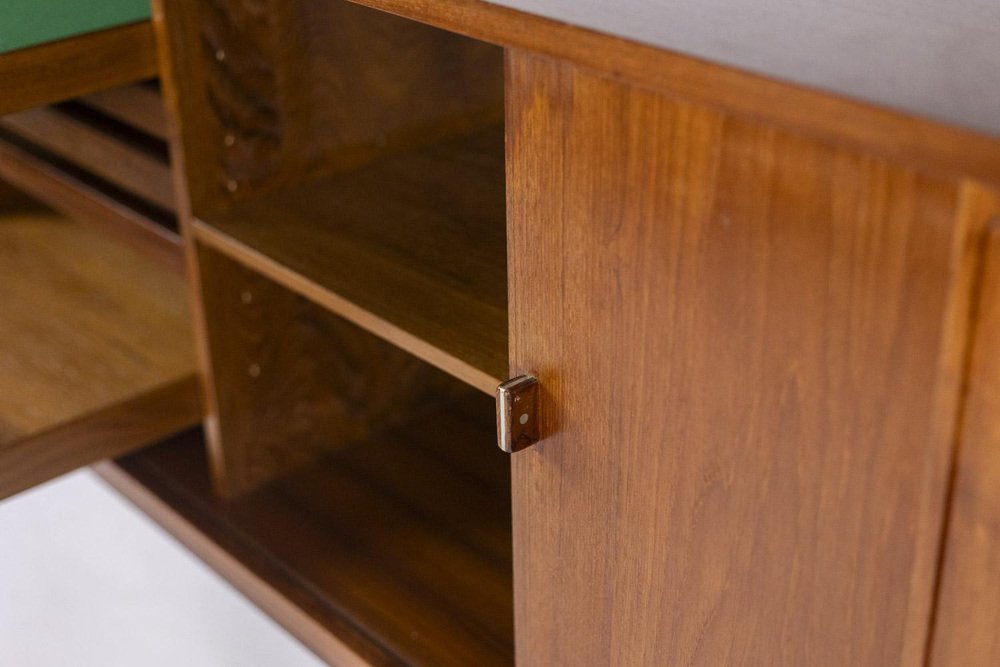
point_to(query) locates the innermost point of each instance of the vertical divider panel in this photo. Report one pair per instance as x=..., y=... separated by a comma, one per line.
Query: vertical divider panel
x=267, y=95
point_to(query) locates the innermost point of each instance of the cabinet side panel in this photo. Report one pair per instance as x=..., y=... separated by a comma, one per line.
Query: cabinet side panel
x=968, y=613
x=749, y=344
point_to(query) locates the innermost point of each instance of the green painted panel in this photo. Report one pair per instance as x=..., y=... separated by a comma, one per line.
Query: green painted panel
x=32, y=22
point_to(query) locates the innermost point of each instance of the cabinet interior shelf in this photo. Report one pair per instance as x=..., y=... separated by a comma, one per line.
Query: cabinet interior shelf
x=398, y=546
x=96, y=355
x=411, y=247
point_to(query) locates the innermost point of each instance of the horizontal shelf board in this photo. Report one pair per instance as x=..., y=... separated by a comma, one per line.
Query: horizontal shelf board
x=87, y=324
x=412, y=247
x=398, y=547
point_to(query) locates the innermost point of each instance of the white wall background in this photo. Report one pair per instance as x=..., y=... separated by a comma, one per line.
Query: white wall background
x=86, y=580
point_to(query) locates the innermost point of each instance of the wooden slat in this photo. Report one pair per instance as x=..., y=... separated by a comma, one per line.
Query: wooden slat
x=139, y=105
x=968, y=612
x=395, y=549
x=751, y=347
x=131, y=167
x=108, y=432
x=76, y=66
x=97, y=354
x=411, y=248
x=929, y=145
x=80, y=201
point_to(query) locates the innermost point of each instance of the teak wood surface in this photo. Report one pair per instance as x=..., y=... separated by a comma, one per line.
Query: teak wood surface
x=131, y=163
x=139, y=105
x=96, y=357
x=292, y=380
x=749, y=304
x=82, y=202
x=392, y=550
x=968, y=613
x=57, y=71
x=411, y=247
x=750, y=345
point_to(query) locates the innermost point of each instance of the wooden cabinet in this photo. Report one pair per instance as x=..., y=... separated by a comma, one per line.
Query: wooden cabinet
x=763, y=318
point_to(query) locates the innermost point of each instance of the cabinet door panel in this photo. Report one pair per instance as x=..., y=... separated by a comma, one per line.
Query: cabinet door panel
x=750, y=348
x=968, y=616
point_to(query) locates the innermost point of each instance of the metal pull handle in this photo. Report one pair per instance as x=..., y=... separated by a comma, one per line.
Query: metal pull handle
x=517, y=413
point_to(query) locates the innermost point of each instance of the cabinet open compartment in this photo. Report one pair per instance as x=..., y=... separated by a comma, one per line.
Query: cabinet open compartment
x=356, y=158
x=364, y=486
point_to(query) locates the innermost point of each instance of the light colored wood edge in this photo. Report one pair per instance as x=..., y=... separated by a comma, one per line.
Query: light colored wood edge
x=178, y=167
x=112, y=431
x=930, y=145
x=350, y=311
x=291, y=617
x=976, y=387
x=75, y=66
x=976, y=204
x=79, y=201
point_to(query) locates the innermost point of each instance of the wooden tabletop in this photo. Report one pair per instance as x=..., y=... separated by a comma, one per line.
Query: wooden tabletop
x=931, y=58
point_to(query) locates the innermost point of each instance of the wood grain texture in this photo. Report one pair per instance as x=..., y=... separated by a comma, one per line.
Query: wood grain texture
x=135, y=166
x=750, y=346
x=411, y=247
x=293, y=381
x=95, y=347
x=968, y=611
x=396, y=548
x=107, y=432
x=269, y=92
x=155, y=499
x=83, y=202
x=76, y=66
x=927, y=145
x=139, y=105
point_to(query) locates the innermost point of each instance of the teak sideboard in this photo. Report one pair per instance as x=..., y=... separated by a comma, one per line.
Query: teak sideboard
x=764, y=321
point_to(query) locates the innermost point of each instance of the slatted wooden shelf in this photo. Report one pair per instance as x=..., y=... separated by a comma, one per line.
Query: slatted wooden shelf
x=139, y=105
x=96, y=358
x=77, y=194
x=115, y=152
x=392, y=550
x=411, y=247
